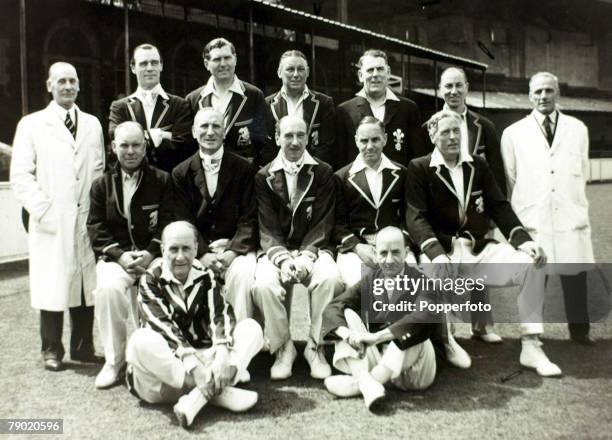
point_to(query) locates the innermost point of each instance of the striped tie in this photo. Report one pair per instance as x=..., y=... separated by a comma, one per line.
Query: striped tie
x=70, y=125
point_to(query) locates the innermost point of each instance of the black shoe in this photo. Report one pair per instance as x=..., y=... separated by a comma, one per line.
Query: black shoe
x=583, y=340
x=52, y=363
x=87, y=357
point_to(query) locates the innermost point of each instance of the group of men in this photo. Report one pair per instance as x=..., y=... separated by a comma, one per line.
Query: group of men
x=201, y=247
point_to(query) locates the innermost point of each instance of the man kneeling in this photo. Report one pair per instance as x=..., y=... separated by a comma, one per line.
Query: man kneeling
x=408, y=359
x=190, y=348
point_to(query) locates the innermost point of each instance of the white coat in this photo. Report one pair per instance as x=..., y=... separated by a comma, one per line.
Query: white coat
x=51, y=175
x=547, y=186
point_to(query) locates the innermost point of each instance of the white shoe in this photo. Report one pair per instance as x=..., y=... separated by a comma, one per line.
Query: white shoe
x=532, y=356
x=319, y=368
x=235, y=399
x=108, y=376
x=487, y=335
x=244, y=376
x=342, y=385
x=283, y=365
x=456, y=355
x=370, y=388
x=188, y=406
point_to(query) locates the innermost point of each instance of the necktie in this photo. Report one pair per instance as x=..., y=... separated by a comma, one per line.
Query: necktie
x=548, y=130
x=212, y=166
x=70, y=125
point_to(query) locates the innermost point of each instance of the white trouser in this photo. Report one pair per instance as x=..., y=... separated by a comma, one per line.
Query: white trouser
x=411, y=369
x=323, y=283
x=115, y=300
x=350, y=266
x=158, y=375
x=239, y=279
x=515, y=268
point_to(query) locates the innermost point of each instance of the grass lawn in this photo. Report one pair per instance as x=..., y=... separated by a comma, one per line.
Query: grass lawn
x=460, y=404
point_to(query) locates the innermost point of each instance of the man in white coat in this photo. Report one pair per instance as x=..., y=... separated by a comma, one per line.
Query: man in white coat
x=57, y=153
x=546, y=157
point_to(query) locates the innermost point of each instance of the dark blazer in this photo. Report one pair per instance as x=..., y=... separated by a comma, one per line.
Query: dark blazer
x=308, y=226
x=434, y=215
x=231, y=213
x=171, y=114
x=403, y=127
x=408, y=328
x=356, y=212
x=110, y=231
x=246, y=133
x=320, y=117
x=484, y=142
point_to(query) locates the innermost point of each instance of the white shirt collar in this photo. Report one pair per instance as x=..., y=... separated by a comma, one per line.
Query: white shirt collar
x=61, y=111
x=437, y=159
x=304, y=95
x=157, y=90
x=277, y=163
x=207, y=158
x=209, y=88
x=125, y=177
x=389, y=95
x=540, y=117
x=359, y=164
x=463, y=114
x=196, y=271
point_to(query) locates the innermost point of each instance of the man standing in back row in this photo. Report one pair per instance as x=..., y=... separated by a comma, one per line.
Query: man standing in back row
x=400, y=115
x=165, y=117
x=242, y=105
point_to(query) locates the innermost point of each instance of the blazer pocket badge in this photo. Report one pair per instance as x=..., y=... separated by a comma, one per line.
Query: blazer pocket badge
x=153, y=215
x=398, y=138
x=244, y=137
x=314, y=138
x=479, y=205
x=309, y=212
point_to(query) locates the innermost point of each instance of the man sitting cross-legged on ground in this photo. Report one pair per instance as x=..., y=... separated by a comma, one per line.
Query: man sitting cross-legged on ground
x=295, y=196
x=451, y=198
x=408, y=360
x=190, y=348
x=130, y=205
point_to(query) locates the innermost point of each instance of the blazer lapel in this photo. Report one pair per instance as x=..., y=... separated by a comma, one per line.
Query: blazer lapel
x=390, y=178
x=304, y=182
x=468, y=180
x=360, y=182
x=278, y=107
x=444, y=176
x=205, y=101
x=137, y=112
x=311, y=108
x=363, y=107
x=161, y=108
x=118, y=191
x=224, y=178
x=391, y=108
x=278, y=184
x=58, y=128
x=474, y=132
x=558, y=134
x=234, y=109
x=200, y=181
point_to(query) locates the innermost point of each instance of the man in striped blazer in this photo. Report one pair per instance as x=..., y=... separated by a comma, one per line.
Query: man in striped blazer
x=189, y=348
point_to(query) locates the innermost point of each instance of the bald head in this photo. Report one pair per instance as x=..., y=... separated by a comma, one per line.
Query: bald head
x=391, y=251
x=454, y=88
x=129, y=127
x=63, y=84
x=179, y=248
